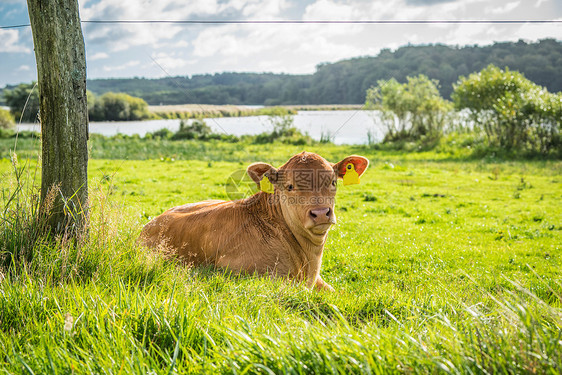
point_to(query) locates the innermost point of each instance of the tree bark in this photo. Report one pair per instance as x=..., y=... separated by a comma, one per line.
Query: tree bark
x=61, y=72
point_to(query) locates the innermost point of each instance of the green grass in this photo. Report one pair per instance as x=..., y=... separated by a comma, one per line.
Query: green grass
x=440, y=264
x=199, y=111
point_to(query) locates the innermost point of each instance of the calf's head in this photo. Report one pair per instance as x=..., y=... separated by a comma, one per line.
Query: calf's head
x=305, y=188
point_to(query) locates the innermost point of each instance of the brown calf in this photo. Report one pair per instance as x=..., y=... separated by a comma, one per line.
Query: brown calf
x=280, y=234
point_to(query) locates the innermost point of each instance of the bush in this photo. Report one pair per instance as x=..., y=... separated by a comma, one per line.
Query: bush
x=117, y=107
x=275, y=111
x=283, y=131
x=6, y=119
x=515, y=113
x=412, y=111
x=24, y=96
x=196, y=130
x=160, y=134
x=25, y=134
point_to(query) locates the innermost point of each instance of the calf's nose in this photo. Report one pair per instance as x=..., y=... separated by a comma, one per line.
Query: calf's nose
x=320, y=215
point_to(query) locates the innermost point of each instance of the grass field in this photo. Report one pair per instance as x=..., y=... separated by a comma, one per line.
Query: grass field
x=440, y=264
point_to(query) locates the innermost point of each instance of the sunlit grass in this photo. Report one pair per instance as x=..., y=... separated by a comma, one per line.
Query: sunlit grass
x=438, y=266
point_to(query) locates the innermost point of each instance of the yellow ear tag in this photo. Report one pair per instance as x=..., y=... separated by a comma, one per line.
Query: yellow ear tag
x=266, y=186
x=350, y=177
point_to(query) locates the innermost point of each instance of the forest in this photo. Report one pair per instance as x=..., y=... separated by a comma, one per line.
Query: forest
x=346, y=82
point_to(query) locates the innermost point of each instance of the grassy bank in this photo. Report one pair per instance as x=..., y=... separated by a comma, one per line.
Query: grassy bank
x=243, y=149
x=440, y=264
x=199, y=111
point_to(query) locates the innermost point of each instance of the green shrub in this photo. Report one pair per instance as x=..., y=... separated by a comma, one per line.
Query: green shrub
x=6, y=119
x=24, y=96
x=412, y=111
x=161, y=134
x=117, y=107
x=223, y=137
x=275, y=111
x=515, y=113
x=196, y=130
x=283, y=130
x=6, y=133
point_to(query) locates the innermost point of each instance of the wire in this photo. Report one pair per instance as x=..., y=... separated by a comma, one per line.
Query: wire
x=292, y=22
x=14, y=26
x=296, y=22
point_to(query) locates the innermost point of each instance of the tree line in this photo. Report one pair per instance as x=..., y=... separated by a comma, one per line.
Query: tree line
x=346, y=82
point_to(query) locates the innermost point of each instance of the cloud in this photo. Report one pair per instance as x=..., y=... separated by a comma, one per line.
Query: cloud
x=535, y=32
x=10, y=42
x=98, y=56
x=169, y=61
x=299, y=48
x=127, y=50
x=330, y=10
x=506, y=8
x=120, y=37
x=23, y=68
x=258, y=9
x=124, y=36
x=129, y=64
x=540, y=2
x=428, y=2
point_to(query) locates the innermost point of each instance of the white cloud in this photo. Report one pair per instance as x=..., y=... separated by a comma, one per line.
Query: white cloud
x=505, y=8
x=98, y=56
x=114, y=68
x=169, y=61
x=10, y=42
x=298, y=48
x=330, y=10
x=275, y=44
x=535, y=32
x=179, y=44
x=123, y=36
x=220, y=40
x=127, y=50
x=258, y=9
x=540, y=2
x=23, y=68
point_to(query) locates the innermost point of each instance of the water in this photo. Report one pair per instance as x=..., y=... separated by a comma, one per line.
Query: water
x=344, y=127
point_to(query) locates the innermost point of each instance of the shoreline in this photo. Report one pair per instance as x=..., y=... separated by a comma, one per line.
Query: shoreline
x=199, y=111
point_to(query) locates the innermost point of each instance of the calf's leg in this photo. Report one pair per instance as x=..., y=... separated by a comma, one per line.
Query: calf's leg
x=322, y=285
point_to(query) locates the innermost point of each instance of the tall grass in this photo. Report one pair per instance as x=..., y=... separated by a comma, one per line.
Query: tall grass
x=21, y=220
x=108, y=305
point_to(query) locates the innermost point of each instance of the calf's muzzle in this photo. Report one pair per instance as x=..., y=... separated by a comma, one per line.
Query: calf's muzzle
x=321, y=215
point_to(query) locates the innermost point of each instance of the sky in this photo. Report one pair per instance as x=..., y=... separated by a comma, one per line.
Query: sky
x=159, y=50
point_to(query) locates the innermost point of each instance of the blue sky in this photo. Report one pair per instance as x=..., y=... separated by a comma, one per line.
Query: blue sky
x=160, y=50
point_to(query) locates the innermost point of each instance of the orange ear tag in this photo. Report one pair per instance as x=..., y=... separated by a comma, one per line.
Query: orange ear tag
x=266, y=186
x=351, y=177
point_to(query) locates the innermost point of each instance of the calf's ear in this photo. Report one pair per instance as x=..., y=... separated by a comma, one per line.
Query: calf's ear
x=257, y=170
x=360, y=164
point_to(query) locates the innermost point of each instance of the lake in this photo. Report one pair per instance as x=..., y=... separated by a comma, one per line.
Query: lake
x=344, y=127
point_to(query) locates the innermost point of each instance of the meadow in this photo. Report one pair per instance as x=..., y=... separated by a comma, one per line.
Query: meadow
x=441, y=263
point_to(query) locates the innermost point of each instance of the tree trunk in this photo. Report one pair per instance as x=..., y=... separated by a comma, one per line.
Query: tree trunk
x=61, y=72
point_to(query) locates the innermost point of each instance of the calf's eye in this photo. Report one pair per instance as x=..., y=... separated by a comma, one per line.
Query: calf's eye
x=290, y=188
